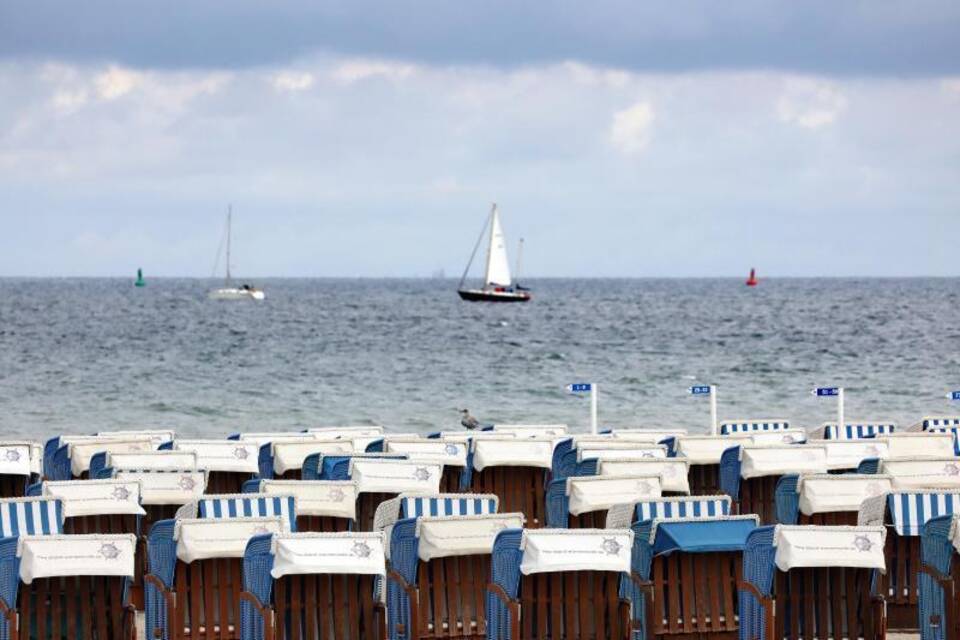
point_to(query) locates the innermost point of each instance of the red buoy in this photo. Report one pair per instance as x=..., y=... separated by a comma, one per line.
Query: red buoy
x=752, y=280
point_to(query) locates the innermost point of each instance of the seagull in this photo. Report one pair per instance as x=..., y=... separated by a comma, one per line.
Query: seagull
x=468, y=420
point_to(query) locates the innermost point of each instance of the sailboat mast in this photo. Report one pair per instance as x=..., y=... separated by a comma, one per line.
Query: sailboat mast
x=473, y=255
x=229, y=216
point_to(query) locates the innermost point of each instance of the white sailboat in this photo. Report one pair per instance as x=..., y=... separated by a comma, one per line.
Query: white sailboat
x=228, y=291
x=497, y=286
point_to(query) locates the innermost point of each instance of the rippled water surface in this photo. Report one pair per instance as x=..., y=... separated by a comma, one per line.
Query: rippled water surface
x=78, y=355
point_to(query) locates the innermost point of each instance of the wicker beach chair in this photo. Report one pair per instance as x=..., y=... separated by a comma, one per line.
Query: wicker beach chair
x=940, y=579
x=751, y=426
x=827, y=499
x=703, y=454
x=557, y=583
x=76, y=453
x=933, y=423
x=776, y=437
x=749, y=474
x=323, y=506
x=516, y=471
x=452, y=453
x=313, y=586
x=195, y=580
x=75, y=587
x=228, y=463
x=845, y=456
x=812, y=582
x=438, y=575
x=530, y=430
x=925, y=444
x=582, y=502
x=904, y=514
x=855, y=431
x=283, y=459
x=582, y=457
x=21, y=464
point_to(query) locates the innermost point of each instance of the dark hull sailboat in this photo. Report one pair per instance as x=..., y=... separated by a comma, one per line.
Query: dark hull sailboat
x=497, y=281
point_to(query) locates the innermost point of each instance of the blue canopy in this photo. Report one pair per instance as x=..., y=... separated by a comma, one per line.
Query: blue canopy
x=702, y=536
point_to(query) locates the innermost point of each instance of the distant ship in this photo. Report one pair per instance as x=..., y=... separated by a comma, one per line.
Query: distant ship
x=497, y=285
x=752, y=280
x=228, y=291
x=140, y=282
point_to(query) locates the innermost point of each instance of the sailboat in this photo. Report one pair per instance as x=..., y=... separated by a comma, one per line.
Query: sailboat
x=497, y=285
x=228, y=291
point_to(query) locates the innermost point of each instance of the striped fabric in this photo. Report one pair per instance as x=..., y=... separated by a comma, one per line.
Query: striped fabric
x=247, y=506
x=416, y=506
x=728, y=428
x=30, y=517
x=855, y=431
x=931, y=423
x=910, y=511
x=683, y=508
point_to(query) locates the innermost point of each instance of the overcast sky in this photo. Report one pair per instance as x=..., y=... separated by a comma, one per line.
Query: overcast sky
x=368, y=138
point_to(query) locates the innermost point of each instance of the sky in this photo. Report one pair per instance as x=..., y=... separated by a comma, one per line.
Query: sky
x=619, y=138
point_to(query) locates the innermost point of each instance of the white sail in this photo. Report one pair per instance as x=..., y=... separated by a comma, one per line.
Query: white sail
x=498, y=268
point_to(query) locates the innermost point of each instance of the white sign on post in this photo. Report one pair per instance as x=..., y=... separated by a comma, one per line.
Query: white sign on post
x=708, y=390
x=591, y=388
x=837, y=392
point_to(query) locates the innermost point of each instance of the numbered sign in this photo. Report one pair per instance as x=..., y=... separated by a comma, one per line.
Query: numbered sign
x=579, y=387
x=700, y=390
x=954, y=395
x=826, y=391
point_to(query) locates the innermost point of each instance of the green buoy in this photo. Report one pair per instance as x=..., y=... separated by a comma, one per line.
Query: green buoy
x=140, y=281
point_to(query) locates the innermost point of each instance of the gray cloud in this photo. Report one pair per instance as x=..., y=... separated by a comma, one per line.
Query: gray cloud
x=819, y=36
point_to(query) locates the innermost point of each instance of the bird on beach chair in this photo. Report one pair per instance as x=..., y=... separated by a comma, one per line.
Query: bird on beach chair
x=468, y=421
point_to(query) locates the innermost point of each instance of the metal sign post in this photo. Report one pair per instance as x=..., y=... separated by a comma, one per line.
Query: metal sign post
x=708, y=390
x=585, y=387
x=837, y=392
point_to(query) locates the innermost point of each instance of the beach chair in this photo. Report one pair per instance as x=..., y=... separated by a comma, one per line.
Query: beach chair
x=582, y=458
x=195, y=579
x=313, y=586
x=933, y=423
x=926, y=444
x=451, y=453
x=380, y=479
x=939, y=579
x=908, y=474
x=30, y=516
x=904, y=514
x=559, y=583
x=647, y=435
x=531, y=430
x=322, y=506
x=582, y=502
x=283, y=459
x=516, y=471
x=163, y=491
x=73, y=458
x=228, y=463
x=844, y=456
x=812, y=582
x=97, y=506
x=751, y=426
x=778, y=437
x=827, y=499
x=67, y=587
x=689, y=569
x=20, y=466
x=749, y=474
x=438, y=576
x=673, y=472
x=703, y=454
x=854, y=431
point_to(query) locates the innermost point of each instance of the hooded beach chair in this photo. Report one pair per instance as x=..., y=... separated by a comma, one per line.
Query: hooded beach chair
x=97, y=506
x=516, y=471
x=313, y=586
x=530, y=430
x=581, y=459
x=323, y=506
x=67, y=587
x=940, y=579
x=228, y=463
x=751, y=426
x=75, y=454
x=922, y=473
x=904, y=514
x=855, y=431
x=163, y=491
x=703, y=454
x=689, y=569
x=21, y=464
x=564, y=584
x=844, y=456
x=195, y=580
x=827, y=499
x=934, y=423
x=673, y=472
x=582, y=502
x=439, y=571
x=452, y=453
x=647, y=435
x=812, y=582
x=380, y=479
x=778, y=437
x=749, y=474
x=926, y=444
x=283, y=459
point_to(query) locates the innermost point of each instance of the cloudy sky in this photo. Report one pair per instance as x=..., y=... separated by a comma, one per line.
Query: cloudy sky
x=368, y=138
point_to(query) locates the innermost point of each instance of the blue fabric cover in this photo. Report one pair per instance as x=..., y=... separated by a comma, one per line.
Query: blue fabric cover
x=702, y=536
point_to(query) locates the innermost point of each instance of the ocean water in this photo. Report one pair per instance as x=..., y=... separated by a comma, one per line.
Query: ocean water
x=79, y=355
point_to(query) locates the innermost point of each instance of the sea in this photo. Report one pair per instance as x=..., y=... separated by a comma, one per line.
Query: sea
x=80, y=355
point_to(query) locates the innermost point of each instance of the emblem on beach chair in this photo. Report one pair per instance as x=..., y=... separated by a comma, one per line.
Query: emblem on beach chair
x=109, y=551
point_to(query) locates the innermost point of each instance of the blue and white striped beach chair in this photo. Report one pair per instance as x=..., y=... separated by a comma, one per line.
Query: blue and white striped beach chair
x=940, y=579
x=244, y=505
x=439, y=571
x=929, y=423
x=812, y=582
x=735, y=427
x=313, y=585
x=856, y=431
x=559, y=583
x=904, y=514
